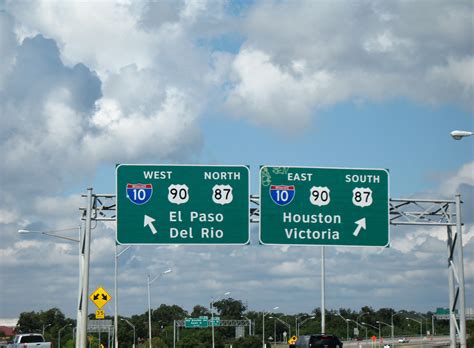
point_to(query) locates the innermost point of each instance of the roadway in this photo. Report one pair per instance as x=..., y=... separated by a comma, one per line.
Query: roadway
x=435, y=341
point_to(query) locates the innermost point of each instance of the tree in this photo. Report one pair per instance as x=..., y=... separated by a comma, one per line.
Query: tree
x=156, y=342
x=165, y=315
x=230, y=308
x=248, y=342
x=199, y=310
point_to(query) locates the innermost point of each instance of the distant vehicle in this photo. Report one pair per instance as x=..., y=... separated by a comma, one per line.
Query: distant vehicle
x=403, y=340
x=30, y=340
x=318, y=341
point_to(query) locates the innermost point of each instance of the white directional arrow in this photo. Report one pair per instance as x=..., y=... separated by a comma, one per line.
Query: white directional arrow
x=360, y=224
x=148, y=221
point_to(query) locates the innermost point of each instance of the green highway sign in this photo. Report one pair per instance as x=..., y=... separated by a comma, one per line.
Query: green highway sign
x=191, y=323
x=324, y=206
x=182, y=204
x=217, y=321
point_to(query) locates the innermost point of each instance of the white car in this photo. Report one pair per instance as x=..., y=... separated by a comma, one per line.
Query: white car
x=403, y=340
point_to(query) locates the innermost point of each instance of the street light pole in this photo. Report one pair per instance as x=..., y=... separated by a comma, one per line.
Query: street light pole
x=358, y=325
x=393, y=326
x=149, y=282
x=46, y=326
x=458, y=135
x=372, y=326
x=381, y=322
x=364, y=313
x=347, y=326
x=59, y=334
x=133, y=327
x=117, y=255
x=263, y=326
x=80, y=240
x=300, y=324
x=212, y=317
x=421, y=328
x=284, y=323
x=274, y=331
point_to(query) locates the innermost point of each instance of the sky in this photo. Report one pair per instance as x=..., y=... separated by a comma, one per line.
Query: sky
x=368, y=84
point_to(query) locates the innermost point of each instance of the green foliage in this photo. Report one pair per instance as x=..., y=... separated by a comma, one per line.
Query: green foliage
x=248, y=342
x=156, y=342
x=199, y=311
x=52, y=320
x=68, y=344
x=229, y=308
x=164, y=315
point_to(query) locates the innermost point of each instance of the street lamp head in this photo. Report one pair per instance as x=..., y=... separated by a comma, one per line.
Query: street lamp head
x=276, y=307
x=167, y=271
x=459, y=134
x=227, y=293
x=24, y=231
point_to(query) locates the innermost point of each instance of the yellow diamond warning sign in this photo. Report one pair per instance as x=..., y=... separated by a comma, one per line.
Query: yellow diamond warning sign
x=100, y=297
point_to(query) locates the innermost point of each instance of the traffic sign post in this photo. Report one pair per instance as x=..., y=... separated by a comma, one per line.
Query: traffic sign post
x=182, y=204
x=324, y=206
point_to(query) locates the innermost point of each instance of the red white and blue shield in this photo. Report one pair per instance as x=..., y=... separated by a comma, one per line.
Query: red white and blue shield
x=282, y=194
x=139, y=193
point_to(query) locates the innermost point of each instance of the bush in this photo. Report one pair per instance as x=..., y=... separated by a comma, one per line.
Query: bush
x=248, y=342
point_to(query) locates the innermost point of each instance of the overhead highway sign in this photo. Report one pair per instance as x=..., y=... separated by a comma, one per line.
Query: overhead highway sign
x=182, y=204
x=324, y=206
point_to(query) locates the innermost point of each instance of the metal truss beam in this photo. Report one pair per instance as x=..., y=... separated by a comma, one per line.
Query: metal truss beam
x=181, y=323
x=425, y=212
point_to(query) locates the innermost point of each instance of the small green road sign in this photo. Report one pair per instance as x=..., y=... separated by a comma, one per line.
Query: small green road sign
x=191, y=323
x=182, y=204
x=217, y=321
x=324, y=206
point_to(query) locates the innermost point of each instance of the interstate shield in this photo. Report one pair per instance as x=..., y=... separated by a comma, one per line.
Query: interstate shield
x=282, y=194
x=139, y=193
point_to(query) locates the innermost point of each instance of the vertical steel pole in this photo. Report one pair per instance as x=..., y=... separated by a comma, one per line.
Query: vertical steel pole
x=85, y=275
x=392, y=328
x=462, y=308
x=347, y=331
x=452, y=326
x=149, y=312
x=116, y=300
x=432, y=326
x=76, y=334
x=323, y=305
x=212, y=321
x=174, y=333
x=263, y=330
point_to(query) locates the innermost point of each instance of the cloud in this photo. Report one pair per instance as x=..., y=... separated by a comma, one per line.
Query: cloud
x=287, y=70
x=268, y=94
